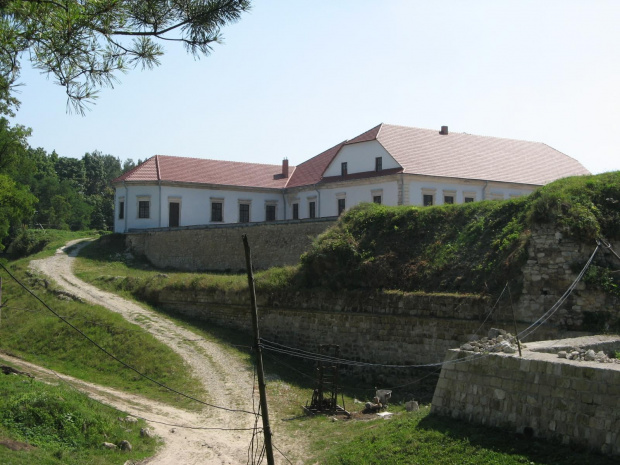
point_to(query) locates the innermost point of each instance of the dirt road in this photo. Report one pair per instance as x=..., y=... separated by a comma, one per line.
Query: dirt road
x=228, y=381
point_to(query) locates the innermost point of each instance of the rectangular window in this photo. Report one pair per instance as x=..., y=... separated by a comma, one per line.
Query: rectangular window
x=244, y=213
x=121, y=210
x=341, y=206
x=343, y=168
x=312, y=210
x=216, y=212
x=469, y=199
x=448, y=199
x=270, y=213
x=295, y=211
x=376, y=199
x=378, y=163
x=144, y=209
x=428, y=200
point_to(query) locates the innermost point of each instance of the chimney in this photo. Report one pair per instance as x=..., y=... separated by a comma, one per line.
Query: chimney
x=285, y=168
x=444, y=131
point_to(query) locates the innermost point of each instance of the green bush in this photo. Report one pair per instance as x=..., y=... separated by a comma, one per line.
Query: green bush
x=475, y=247
x=28, y=242
x=64, y=423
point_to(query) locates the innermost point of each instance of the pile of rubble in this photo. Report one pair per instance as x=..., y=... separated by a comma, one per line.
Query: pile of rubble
x=583, y=355
x=497, y=340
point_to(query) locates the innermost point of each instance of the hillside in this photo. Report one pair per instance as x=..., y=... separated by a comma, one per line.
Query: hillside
x=468, y=248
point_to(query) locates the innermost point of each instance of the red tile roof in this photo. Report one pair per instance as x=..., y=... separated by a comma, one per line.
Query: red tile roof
x=459, y=155
x=371, y=134
x=201, y=171
x=311, y=171
x=417, y=151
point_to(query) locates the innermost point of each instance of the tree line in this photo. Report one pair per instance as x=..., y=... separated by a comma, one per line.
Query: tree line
x=45, y=190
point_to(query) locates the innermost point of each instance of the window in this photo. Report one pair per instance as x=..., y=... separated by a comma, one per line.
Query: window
x=448, y=199
x=216, y=212
x=244, y=213
x=428, y=200
x=295, y=211
x=378, y=164
x=270, y=212
x=312, y=210
x=376, y=199
x=144, y=208
x=343, y=168
x=469, y=197
x=341, y=206
x=121, y=210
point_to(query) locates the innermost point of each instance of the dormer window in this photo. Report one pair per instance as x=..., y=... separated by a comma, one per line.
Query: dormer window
x=378, y=163
x=343, y=168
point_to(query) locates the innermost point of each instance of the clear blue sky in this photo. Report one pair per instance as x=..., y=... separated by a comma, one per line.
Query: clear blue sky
x=295, y=77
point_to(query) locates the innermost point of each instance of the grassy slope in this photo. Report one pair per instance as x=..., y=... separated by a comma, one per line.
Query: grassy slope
x=30, y=331
x=489, y=235
x=471, y=248
x=65, y=426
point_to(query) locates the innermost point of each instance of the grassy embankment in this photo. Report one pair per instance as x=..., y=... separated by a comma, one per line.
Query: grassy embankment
x=38, y=414
x=440, y=245
x=46, y=424
x=32, y=332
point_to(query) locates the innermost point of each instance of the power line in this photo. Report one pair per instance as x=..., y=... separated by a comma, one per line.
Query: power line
x=282, y=454
x=300, y=353
x=126, y=365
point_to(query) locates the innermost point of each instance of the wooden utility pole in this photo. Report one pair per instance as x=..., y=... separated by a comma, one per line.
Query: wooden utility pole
x=259, y=356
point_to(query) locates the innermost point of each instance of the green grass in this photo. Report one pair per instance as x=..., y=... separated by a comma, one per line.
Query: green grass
x=30, y=331
x=63, y=425
x=106, y=264
x=471, y=248
x=407, y=438
x=421, y=438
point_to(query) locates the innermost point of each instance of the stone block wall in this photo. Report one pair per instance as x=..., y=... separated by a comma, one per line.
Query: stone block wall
x=220, y=248
x=388, y=328
x=573, y=402
x=549, y=272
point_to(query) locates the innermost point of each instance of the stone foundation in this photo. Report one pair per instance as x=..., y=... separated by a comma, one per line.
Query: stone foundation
x=540, y=394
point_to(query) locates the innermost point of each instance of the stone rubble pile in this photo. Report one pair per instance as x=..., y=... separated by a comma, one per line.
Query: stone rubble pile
x=582, y=355
x=497, y=340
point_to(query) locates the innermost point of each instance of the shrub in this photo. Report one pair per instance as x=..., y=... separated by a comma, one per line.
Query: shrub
x=28, y=242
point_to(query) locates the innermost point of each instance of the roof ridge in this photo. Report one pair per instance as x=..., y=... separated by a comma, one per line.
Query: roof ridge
x=214, y=159
x=468, y=134
x=290, y=176
x=157, y=167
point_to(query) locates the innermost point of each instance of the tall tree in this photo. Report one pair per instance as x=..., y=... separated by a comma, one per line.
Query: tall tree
x=84, y=44
x=16, y=206
x=72, y=169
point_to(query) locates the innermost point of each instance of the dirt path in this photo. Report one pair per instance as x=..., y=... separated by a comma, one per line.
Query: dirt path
x=226, y=379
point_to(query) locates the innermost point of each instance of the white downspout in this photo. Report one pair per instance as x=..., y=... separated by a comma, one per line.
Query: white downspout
x=161, y=205
x=126, y=228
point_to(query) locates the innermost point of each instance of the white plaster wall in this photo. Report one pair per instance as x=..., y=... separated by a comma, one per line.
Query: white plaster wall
x=195, y=205
x=461, y=189
x=360, y=158
x=131, y=195
x=355, y=195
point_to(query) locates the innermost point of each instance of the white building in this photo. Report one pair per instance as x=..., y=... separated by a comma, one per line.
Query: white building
x=393, y=165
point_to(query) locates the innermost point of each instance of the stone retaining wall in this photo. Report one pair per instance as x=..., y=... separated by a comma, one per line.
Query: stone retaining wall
x=549, y=271
x=573, y=402
x=220, y=248
x=389, y=328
